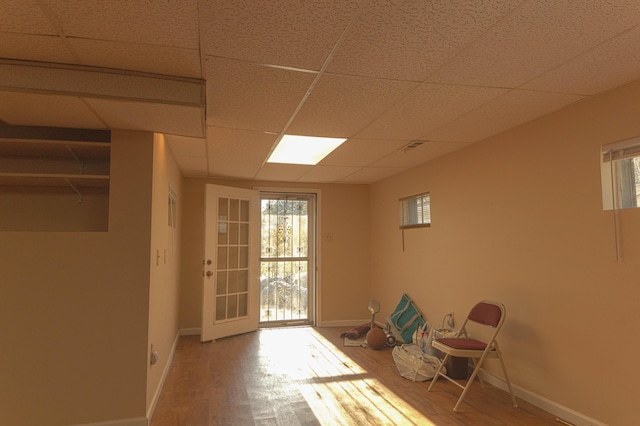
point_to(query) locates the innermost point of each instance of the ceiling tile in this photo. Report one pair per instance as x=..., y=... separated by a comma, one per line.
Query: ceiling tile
x=187, y=147
x=28, y=109
x=361, y=152
x=428, y=107
x=282, y=172
x=328, y=174
x=162, y=23
x=350, y=68
x=538, y=36
x=510, y=110
x=411, y=40
x=299, y=34
x=237, y=153
x=39, y=48
x=24, y=17
x=591, y=73
x=253, y=97
x=419, y=155
x=161, y=118
x=372, y=174
x=339, y=106
x=155, y=59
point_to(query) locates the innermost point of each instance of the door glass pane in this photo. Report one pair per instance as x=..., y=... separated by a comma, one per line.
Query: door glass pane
x=222, y=232
x=222, y=258
x=243, y=305
x=244, y=234
x=232, y=306
x=221, y=308
x=243, y=281
x=243, y=257
x=223, y=209
x=233, y=282
x=244, y=211
x=234, y=210
x=221, y=283
x=233, y=234
x=233, y=257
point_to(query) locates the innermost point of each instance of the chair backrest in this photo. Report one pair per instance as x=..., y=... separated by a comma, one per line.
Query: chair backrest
x=488, y=313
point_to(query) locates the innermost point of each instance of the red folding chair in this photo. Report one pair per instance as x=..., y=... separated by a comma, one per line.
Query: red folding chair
x=486, y=314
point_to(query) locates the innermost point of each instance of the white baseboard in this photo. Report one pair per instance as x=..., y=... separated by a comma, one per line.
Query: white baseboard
x=561, y=412
x=136, y=421
x=190, y=331
x=167, y=366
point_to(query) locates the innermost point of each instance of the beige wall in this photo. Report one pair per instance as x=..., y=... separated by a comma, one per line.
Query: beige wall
x=344, y=258
x=74, y=308
x=165, y=266
x=518, y=218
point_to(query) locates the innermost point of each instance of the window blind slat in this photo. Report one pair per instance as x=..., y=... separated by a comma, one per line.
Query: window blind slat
x=415, y=211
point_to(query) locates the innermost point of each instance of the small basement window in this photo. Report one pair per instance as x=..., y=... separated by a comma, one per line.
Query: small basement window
x=620, y=174
x=415, y=211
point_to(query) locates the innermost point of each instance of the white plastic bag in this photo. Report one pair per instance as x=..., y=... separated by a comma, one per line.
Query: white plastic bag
x=415, y=365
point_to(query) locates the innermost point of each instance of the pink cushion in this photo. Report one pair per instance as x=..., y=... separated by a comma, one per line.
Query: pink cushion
x=463, y=343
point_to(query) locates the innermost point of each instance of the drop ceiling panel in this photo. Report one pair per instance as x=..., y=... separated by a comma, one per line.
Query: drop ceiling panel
x=282, y=172
x=538, y=36
x=411, y=40
x=510, y=110
x=24, y=17
x=237, y=153
x=340, y=106
x=592, y=72
x=299, y=34
x=328, y=174
x=26, y=109
x=372, y=174
x=416, y=156
x=350, y=68
x=161, y=118
x=39, y=48
x=183, y=146
x=248, y=96
x=361, y=152
x=428, y=107
x=139, y=57
x=161, y=23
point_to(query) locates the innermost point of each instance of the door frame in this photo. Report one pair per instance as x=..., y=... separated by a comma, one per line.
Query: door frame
x=317, y=300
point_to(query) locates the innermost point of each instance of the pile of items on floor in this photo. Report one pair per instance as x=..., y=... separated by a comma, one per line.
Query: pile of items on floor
x=407, y=333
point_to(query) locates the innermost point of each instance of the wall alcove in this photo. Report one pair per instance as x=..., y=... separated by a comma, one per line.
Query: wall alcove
x=54, y=179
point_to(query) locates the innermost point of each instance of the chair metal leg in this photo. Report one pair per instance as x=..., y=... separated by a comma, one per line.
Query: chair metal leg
x=437, y=374
x=470, y=381
x=506, y=376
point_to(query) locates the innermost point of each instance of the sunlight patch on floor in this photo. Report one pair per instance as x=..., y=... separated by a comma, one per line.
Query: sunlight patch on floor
x=338, y=391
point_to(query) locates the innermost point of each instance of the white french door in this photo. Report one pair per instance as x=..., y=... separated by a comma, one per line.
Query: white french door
x=231, y=268
x=287, y=258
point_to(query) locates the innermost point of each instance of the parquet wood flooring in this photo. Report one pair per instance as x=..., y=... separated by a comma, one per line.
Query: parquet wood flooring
x=305, y=376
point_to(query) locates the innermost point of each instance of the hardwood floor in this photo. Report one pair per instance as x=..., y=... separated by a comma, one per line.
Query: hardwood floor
x=305, y=376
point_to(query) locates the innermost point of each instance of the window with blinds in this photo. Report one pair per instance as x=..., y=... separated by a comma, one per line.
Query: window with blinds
x=415, y=211
x=620, y=174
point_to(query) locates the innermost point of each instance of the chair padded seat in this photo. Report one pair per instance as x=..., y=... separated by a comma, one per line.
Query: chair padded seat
x=463, y=343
